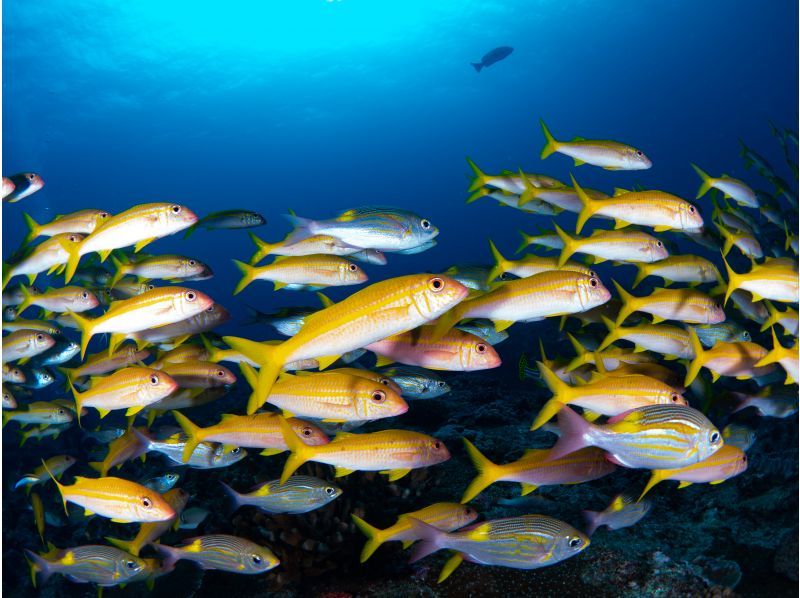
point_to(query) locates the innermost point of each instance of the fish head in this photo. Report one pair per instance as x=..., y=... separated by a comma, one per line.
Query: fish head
x=149, y=505
x=224, y=458
x=128, y=568
x=13, y=374
x=177, y=498
x=373, y=256
x=673, y=398
x=423, y=230
x=156, y=385
x=635, y=159
x=191, y=302
x=9, y=402
x=689, y=217
x=568, y=543
x=83, y=300
x=39, y=341
x=436, y=452
x=435, y=388
x=351, y=273
x=709, y=442
x=591, y=291
x=176, y=217
x=259, y=560
x=194, y=269
x=101, y=217
x=435, y=294
x=71, y=238
x=477, y=354
x=221, y=376
x=716, y=315
x=327, y=493
x=464, y=515
x=379, y=401
x=35, y=182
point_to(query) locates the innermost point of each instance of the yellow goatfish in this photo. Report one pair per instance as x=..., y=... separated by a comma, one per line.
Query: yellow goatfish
x=690, y=269
x=149, y=533
x=738, y=360
x=132, y=388
x=774, y=279
x=789, y=359
x=306, y=270
x=138, y=226
x=65, y=299
x=671, y=341
x=610, y=155
x=82, y=222
x=530, y=265
x=684, y=305
x=373, y=313
x=48, y=256
x=619, y=245
x=731, y=188
x=23, y=344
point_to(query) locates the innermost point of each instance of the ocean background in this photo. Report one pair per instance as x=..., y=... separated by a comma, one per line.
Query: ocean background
x=322, y=106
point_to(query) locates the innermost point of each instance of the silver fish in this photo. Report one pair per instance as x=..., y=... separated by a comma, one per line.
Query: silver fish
x=300, y=494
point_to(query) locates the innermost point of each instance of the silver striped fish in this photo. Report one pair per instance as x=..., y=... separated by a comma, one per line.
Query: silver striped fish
x=223, y=552
x=300, y=494
x=103, y=565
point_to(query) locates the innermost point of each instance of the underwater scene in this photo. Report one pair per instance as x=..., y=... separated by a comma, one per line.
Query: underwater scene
x=347, y=298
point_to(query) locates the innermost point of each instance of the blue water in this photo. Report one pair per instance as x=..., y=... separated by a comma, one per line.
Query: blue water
x=322, y=106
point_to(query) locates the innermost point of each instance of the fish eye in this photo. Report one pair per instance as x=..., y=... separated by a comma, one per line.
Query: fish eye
x=437, y=445
x=659, y=244
x=104, y=214
x=592, y=273
x=171, y=476
x=714, y=436
x=210, y=309
x=436, y=284
x=236, y=451
x=440, y=384
x=467, y=511
x=146, y=502
x=746, y=335
x=379, y=396
x=744, y=458
x=692, y=210
x=73, y=238
x=425, y=224
x=130, y=564
x=85, y=295
x=306, y=431
x=639, y=153
x=480, y=348
x=40, y=337
x=352, y=267
x=330, y=491
x=220, y=373
x=61, y=412
x=675, y=398
x=153, y=379
x=150, y=287
x=176, y=209
x=256, y=559
x=192, y=262
x=593, y=281
x=191, y=295
x=574, y=542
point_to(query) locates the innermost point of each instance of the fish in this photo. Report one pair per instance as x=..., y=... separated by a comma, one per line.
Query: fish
x=331, y=396
x=222, y=552
x=150, y=532
x=315, y=270
x=39, y=413
x=313, y=245
x=64, y=299
x=605, y=395
x=532, y=205
x=138, y=226
x=373, y=313
x=737, y=360
x=387, y=229
x=23, y=344
x=25, y=185
x=15, y=295
x=177, y=332
x=82, y=222
x=416, y=383
x=164, y=267
x=546, y=239
x=534, y=469
x=684, y=305
x=378, y=258
x=162, y=483
x=124, y=448
x=130, y=287
x=13, y=374
x=227, y=219
x=207, y=455
x=102, y=565
x=185, y=398
x=730, y=187
x=509, y=182
x=623, y=511
x=752, y=310
x=8, y=187
x=484, y=329
x=103, y=363
x=670, y=341
x=610, y=155
x=261, y=430
x=739, y=436
x=745, y=241
x=656, y=209
x=37, y=378
x=727, y=462
x=455, y=351
x=52, y=431
x=547, y=294
x=690, y=269
x=162, y=305
x=492, y=57
x=525, y=542
x=286, y=321
x=48, y=257
x=650, y=437
x=787, y=358
x=787, y=319
x=199, y=374
x=445, y=516
x=300, y=494
x=530, y=265
x=61, y=352
x=9, y=401
x=472, y=277
x=775, y=280
x=193, y=517
x=563, y=198
x=181, y=354
x=392, y=452
x=57, y=466
x=132, y=388
x=117, y=499
x=619, y=245
x=104, y=435
x=769, y=403
x=38, y=514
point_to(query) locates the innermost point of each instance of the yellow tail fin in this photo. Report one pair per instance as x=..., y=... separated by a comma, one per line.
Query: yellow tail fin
x=33, y=229
x=656, y=476
x=501, y=264
x=693, y=368
x=129, y=546
x=270, y=359
x=612, y=336
x=488, y=472
x=734, y=281
x=560, y=390
x=589, y=206
x=374, y=537
x=570, y=245
x=300, y=452
x=58, y=485
x=193, y=433
x=551, y=145
x=85, y=326
x=248, y=276
x=480, y=177
x=263, y=248
x=629, y=303
x=705, y=186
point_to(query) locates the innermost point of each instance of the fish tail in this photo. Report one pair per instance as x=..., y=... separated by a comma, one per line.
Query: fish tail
x=641, y=274
x=612, y=336
x=501, y=264
x=85, y=326
x=693, y=368
x=303, y=228
x=589, y=206
x=551, y=145
x=570, y=245
x=6, y=417
x=445, y=322
x=560, y=390
x=300, y=452
x=25, y=480
x=707, y=181
x=33, y=229
x=68, y=373
x=235, y=498
x=773, y=355
x=263, y=249
x=488, y=472
x=99, y=467
x=8, y=273
x=529, y=192
x=248, y=276
x=727, y=237
x=73, y=251
x=193, y=432
x=629, y=303
x=27, y=299
x=58, y=485
x=129, y=546
x=656, y=476
x=592, y=521
x=477, y=66
x=78, y=398
x=526, y=240
x=40, y=567
x=734, y=281
x=374, y=537
x=573, y=430
x=263, y=383
x=480, y=178
x=431, y=539
x=120, y=269
x=475, y=195
x=170, y=554
x=774, y=316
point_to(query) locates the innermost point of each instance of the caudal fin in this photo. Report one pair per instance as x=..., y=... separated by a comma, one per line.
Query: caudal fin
x=430, y=539
x=589, y=206
x=488, y=472
x=270, y=361
x=234, y=497
x=33, y=229
x=303, y=228
x=529, y=191
x=573, y=430
x=570, y=245
x=613, y=333
x=551, y=145
x=477, y=66
x=85, y=326
x=248, y=276
x=300, y=452
x=501, y=264
x=263, y=249
x=694, y=366
x=734, y=281
x=129, y=546
x=40, y=568
x=629, y=303
x=591, y=518
x=706, y=184
x=120, y=269
x=560, y=390
x=656, y=476
x=170, y=554
x=193, y=433
x=641, y=274
x=373, y=534
x=479, y=179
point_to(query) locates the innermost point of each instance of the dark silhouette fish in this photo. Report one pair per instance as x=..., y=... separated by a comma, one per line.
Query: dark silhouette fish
x=491, y=57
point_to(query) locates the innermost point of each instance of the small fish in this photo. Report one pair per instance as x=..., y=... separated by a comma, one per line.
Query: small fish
x=48, y=257
x=624, y=511
x=731, y=188
x=149, y=533
x=690, y=269
x=315, y=270
x=37, y=378
x=727, y=462
x=484, y=329
x=25, y=185
x=103, y=363
x=164, y=267
x=526, y=542
x=684, y=305
x=610, y=155
x=775, y=279
x=619, y=245
x=417, y=383
x=670, y=341
x=9, y=401
x=739, y=360
x=472, y=277
x=546, y=239
x=59, y=353
x=752, y=310
x=491, y=57
x=199, y=374
x=82, y=222
x=446, y=516
x=162, y=483
x=49, y=432
x=39, y=413
x=177, y=332
x=745, y=241
x=57, y=466
x=655, y=436
x=8, y=187
x=509, y=182
x=101, y=565
x=181, y=354
x=535, y=469
x=15, y=295
x=300, y=494
x=192, y=518
x=132, y=388
x=64, y=299
x=222, y=552
x=124, y=448
x=286, y=321
x=787, y=358
x=787, y=319
x=530, y=265
x=13, y=374
x=314, y=245
x=207, y=455
x=769, y=403
x=104, y=435
x=227, y=219
x=739, y=436
x=23, y=344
